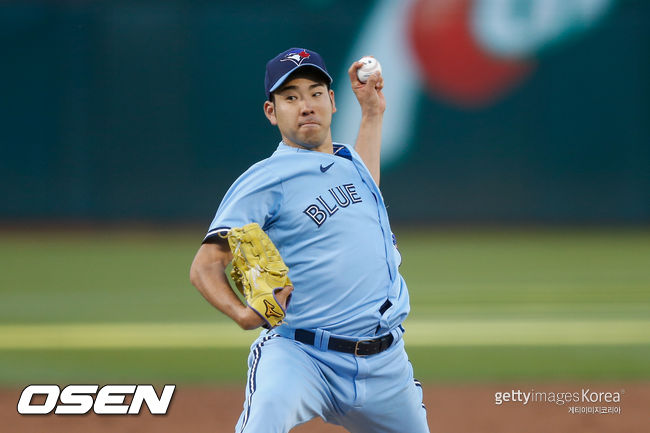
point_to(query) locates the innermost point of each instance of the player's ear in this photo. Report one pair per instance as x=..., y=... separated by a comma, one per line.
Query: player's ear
x=331, y=92
x=269, y=112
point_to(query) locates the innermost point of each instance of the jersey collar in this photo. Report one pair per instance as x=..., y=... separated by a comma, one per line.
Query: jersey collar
x=338, y=149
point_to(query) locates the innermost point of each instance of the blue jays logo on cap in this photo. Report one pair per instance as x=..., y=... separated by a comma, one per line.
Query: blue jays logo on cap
x=284, y=64
x=296, y=56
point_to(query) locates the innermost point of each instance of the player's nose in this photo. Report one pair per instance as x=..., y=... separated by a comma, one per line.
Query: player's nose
x=306, y=108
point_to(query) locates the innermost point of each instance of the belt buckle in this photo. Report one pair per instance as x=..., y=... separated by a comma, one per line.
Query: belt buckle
x=356, y=346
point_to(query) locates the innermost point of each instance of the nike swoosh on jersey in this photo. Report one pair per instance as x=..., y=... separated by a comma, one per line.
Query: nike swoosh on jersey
x=324, y=169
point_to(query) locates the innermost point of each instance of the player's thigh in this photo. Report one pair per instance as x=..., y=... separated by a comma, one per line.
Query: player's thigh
x=406, y=413
x=284, y=387
x=393, y=402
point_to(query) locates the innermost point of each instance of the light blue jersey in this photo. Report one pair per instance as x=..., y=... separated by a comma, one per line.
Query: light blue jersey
x=327, y=217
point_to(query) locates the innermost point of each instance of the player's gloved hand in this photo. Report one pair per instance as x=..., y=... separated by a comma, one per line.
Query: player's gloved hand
x=250, y=319
x=260, y=273
x=369, y=94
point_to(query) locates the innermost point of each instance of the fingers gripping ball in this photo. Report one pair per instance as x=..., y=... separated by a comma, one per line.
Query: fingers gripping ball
x=370, y=66
x=258, y=271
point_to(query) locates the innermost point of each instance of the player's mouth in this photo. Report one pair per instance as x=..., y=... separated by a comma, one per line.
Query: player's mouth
x=308, y=123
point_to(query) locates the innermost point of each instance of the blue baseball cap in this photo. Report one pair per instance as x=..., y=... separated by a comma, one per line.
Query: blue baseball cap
x=284, y=64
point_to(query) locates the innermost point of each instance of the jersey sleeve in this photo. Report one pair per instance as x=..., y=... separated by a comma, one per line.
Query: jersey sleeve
x=256, y=196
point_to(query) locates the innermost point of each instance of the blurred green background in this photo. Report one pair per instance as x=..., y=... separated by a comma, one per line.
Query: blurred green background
x=487, y=305
x=515, y=169
x=148, y=110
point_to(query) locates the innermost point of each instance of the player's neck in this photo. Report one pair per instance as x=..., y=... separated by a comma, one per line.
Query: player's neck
x=325, y=147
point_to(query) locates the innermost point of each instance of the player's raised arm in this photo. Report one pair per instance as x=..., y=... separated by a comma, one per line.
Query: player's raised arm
x=372, y=102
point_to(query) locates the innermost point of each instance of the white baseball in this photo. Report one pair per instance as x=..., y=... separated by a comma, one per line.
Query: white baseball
x=370, y=66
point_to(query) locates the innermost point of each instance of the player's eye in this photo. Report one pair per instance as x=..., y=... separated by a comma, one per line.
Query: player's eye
x=290, y=98
x=318, y=93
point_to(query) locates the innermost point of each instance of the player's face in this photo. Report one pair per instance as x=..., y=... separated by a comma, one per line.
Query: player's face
x=303, y=112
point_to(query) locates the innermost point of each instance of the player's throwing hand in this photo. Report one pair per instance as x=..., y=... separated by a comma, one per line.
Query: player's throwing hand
x=369, y=94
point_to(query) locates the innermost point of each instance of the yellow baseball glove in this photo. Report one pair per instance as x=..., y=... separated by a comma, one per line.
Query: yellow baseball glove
x=258, y=271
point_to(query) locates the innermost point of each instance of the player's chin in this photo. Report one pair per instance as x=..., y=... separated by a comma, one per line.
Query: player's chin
x=310, y=133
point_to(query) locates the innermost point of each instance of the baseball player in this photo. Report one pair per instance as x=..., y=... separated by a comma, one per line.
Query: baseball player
x=338, y=353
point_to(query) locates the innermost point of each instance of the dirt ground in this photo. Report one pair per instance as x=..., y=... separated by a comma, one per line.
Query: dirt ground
x=458, y=409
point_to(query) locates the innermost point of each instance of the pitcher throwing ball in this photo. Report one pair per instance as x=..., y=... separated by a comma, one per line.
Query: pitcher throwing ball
x=318, y=264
